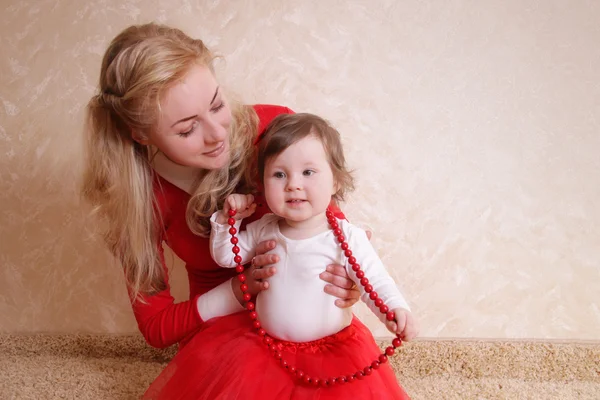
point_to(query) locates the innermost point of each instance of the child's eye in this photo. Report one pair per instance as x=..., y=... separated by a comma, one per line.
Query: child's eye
x=308, y=172
x=279, y=175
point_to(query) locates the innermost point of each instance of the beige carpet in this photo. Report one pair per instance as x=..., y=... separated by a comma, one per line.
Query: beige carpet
x=121, y=367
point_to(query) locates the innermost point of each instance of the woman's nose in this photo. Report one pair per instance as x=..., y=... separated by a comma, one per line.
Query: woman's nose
x=214, y=132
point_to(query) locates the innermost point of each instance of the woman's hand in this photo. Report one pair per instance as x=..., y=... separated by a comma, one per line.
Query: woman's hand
x=340, y=286
x=260, y=269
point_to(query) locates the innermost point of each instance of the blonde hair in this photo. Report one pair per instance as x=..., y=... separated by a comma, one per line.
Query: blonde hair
x=287, y=129
x=140, y=64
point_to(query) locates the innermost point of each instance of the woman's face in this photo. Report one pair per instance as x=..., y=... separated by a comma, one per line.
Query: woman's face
x=193, y=128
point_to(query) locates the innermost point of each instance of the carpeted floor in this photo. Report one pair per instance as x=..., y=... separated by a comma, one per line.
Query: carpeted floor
x=121, y=367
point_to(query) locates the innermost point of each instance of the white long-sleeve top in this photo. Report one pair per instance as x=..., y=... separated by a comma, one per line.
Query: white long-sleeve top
x=295, y=307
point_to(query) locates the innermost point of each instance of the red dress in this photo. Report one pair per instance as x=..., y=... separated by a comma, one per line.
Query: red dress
x=223, y=358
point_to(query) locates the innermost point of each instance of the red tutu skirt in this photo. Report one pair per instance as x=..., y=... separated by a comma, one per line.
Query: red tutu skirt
x=227, y=360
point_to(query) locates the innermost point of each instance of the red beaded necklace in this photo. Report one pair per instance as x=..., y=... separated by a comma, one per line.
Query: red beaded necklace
x=268, y=340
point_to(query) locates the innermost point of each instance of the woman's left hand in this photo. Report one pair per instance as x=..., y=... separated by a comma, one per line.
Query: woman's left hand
x=340, y=286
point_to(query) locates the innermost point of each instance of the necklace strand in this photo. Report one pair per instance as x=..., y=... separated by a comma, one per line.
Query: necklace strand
x=269, y=342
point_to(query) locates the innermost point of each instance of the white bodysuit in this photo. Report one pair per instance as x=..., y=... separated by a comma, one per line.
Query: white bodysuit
x=295, y=307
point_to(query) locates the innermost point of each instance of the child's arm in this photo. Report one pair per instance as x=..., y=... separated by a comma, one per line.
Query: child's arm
x=220, y=238
x=382, y=283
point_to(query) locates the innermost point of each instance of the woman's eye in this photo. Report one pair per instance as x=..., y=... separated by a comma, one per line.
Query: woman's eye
x=189, y=131
x=218, y=108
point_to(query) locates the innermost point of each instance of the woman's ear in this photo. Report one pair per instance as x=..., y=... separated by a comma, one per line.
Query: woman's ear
x=141, y=139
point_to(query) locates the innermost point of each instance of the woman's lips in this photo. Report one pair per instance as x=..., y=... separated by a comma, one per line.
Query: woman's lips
x=216, y=152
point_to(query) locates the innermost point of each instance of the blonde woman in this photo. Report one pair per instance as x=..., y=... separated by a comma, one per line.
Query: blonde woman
x=165, y=148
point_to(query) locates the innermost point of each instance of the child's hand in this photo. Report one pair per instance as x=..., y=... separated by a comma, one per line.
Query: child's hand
x=243, y=203
x=404, y=325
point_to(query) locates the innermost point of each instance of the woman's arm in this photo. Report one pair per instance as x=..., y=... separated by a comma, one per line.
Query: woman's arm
x=163, y=322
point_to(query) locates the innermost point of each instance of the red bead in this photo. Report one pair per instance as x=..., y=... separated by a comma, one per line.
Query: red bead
x=284, y=363
x=334, y=225
x=268, y=340
x=244, y=288
x=337, y=232
x=256, y=324
x=250, y=305
x=389, y=351
x=241, y=278
x=329, y=214
x=375, y=365
x=390, y=316
x=350, y=378
x=345, y=247
x=341, y=379
x=378, y=302
x=373, y=296
x=306, y=379
x=351, y=260
x=396, y=342
x=232, y=212
x=299, y=374
x=368, y=371
x=292, y=369
x=247, y=296
x=232, y=230
x=231, y=221
x=360, y=274
x=278, y=355
x=240, y=268
x=347, y=253
x=253, y=315
x=341, y=239
x=315, y=381
x=359, y=375
x=324, y=382
x=234, y=240
x=356, y=267
x=238, y=259
x=368, y=288
x=235, y=249
x=262, y=332
x=383, y=359
x=384, y=309
x=331, y=381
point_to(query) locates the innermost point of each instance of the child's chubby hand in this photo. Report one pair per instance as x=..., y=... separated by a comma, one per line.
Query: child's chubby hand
x=243, y=203
x=405, y=325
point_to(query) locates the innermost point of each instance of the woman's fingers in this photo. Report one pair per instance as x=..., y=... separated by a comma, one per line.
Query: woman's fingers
x=264, y=247
x=337, y=276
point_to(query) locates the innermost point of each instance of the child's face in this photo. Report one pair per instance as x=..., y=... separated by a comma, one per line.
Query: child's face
x=298, y=182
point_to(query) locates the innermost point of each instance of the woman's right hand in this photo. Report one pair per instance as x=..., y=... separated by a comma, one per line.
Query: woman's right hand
x=260, y=269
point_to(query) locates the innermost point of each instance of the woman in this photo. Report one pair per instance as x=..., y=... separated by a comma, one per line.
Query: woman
x=165, y=148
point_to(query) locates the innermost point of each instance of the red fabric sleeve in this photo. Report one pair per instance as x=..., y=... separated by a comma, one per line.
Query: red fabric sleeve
x=161, y=321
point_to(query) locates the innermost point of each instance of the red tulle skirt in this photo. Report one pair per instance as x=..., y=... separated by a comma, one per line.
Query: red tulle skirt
x=227, y=360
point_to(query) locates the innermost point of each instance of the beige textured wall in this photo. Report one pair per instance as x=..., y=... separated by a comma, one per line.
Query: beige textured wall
x=474, y=127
